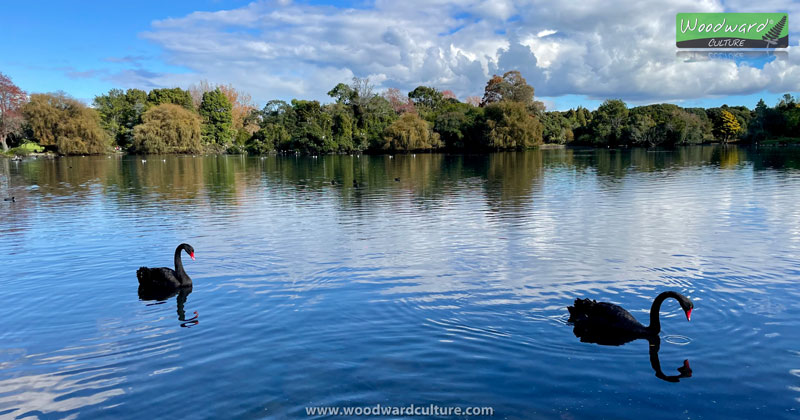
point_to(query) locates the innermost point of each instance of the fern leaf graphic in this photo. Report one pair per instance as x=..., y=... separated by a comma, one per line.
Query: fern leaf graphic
x=774, y=33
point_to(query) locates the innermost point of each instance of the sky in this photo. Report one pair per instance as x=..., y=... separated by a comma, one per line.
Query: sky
x=574, y=53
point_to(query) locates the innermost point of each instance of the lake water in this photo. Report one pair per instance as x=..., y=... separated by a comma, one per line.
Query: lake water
x=448, y=286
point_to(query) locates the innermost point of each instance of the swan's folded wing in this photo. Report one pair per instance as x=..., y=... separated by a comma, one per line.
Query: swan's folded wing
x=161, y=277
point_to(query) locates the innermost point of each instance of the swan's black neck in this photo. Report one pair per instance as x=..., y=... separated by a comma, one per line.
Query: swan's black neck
x=655, y=323
x=184, y=278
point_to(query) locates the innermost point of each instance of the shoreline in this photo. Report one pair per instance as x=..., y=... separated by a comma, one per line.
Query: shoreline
x=582, y=147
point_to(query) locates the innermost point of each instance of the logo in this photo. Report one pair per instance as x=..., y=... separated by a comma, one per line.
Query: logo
x=732, y=30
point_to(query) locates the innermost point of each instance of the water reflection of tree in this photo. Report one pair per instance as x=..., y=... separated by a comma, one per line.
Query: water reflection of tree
x=511, y=178
x=15, y=215
x=507, y=180
x=70, y=176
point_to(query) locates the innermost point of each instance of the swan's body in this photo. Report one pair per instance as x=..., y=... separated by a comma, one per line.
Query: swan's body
x=610, y=324
x=164, y=278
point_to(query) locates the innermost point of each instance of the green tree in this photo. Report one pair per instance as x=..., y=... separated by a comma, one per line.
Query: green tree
x=267, y=137
x=757, y=130
x=215, y=109
x=642, y=130
x=343, y=94
x=409, y=133
x=372, y=122
x=175, y=96
x=557, y=128
x=509, y=126
x=311, y=132
x=120, y=112
x=608, y=122
x=168, y=128
x=59, y=122
x=459, y=124
x=342, y=128
x=426, y=100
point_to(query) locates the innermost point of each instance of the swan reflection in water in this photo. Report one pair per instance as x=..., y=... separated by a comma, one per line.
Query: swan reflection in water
x=684, y=371
x=610, y=325
x=161, y=297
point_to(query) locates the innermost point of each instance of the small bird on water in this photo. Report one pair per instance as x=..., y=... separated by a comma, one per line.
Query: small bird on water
x=11, y=199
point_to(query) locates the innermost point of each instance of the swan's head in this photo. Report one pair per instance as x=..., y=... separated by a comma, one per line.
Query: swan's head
x=189, y=250
x=687, y=306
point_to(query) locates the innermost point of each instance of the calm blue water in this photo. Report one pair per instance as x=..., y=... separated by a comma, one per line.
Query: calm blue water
x=446, y=287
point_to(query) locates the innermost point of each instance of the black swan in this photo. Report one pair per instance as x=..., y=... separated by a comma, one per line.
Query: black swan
x=164, y=278
x=609, y=324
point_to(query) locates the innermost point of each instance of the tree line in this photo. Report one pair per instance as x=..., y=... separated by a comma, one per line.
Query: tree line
x=221, y=119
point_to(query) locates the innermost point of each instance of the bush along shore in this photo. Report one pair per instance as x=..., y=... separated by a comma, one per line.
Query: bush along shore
x=221, y=119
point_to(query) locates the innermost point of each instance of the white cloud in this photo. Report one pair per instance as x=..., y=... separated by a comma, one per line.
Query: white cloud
x=280, y=49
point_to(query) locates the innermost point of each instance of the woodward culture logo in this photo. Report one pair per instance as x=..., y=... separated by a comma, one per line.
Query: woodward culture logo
x=732, y=30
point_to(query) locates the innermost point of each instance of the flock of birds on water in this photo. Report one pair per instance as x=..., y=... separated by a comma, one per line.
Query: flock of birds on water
x=594, y=322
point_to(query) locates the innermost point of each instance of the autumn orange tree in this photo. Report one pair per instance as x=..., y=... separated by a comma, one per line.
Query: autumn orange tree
x=12, y=98
x=511, y=87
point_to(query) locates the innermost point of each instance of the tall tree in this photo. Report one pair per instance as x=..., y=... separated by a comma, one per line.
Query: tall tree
x=120, y=112
x=217, y=118
x=343, y=94
x=728, y=126
x=241, y=106
x=12, y=98
x=426, y=96
x=511, y=87
x=312, y=132
x=608, y=122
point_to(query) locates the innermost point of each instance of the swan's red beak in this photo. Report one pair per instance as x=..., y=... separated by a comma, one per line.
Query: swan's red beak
x=192, y=255
x=688, y=313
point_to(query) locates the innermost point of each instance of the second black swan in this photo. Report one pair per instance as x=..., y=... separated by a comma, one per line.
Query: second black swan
x=610, y=324
x=164, y=278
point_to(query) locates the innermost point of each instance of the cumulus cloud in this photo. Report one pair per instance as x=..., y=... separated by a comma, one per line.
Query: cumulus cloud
x=279, y=49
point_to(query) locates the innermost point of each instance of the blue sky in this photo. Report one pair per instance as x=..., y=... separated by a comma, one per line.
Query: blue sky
x=572, y=53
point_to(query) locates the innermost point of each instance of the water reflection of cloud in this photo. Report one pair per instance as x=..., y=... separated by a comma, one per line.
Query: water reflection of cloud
x=54, y=393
